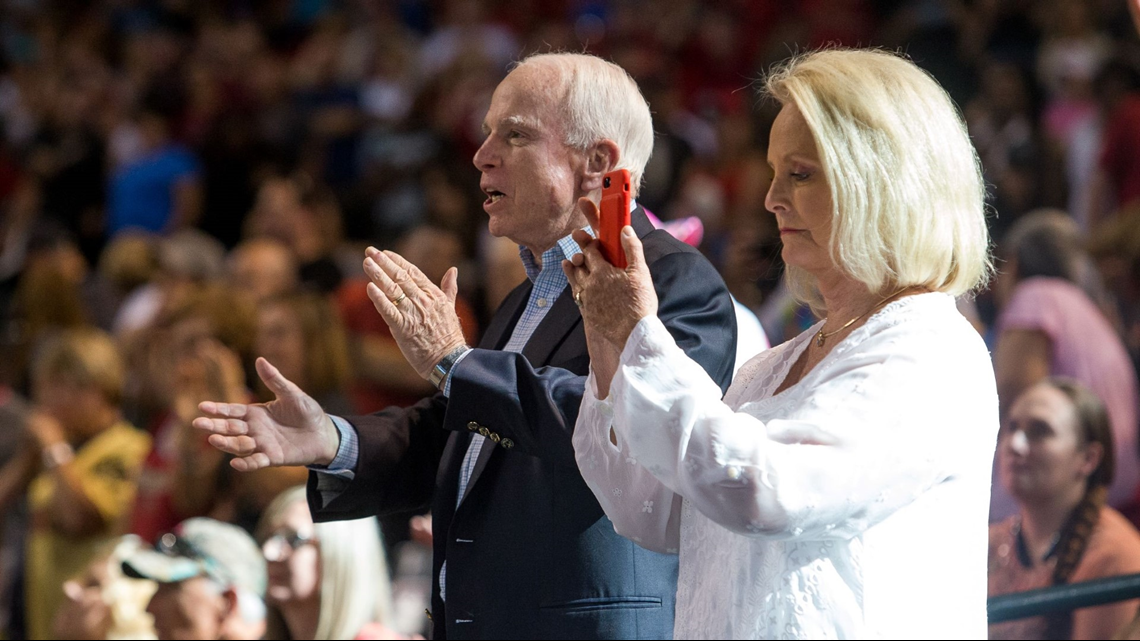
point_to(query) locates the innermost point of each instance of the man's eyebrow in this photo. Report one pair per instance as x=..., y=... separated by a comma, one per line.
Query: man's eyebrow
x=518, y=121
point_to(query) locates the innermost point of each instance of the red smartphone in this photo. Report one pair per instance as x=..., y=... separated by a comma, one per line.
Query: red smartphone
x=613, y=215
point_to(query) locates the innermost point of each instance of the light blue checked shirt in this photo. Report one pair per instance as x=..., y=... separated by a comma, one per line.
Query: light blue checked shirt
x=549, y=281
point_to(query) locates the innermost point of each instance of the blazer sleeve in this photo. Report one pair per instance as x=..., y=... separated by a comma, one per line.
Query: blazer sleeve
x=400, y=450
x=536, y=408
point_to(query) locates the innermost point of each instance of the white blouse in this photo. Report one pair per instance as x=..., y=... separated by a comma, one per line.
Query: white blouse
x=851, y=505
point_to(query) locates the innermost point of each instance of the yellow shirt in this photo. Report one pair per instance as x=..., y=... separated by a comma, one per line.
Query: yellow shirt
x=108, y=466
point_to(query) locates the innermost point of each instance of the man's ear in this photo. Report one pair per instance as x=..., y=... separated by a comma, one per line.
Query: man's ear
x=600, y=159
x=230, y=604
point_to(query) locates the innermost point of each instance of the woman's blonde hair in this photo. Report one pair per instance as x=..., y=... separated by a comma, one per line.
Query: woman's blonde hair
x=355, y=585
x=908, y=200
x=86, y=357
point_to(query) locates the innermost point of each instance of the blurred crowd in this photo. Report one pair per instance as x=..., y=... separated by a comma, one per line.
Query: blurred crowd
x=187, y=185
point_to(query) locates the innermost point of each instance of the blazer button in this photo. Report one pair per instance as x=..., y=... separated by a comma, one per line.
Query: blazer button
x=472, y=426
x=484, y=431
x=495, y=437
x=507, y=443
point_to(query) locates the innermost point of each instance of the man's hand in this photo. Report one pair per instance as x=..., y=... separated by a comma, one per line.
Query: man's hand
x=421, y=316
x=292, y=429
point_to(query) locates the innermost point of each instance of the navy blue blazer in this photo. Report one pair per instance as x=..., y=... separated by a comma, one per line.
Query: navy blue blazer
x=530, y=553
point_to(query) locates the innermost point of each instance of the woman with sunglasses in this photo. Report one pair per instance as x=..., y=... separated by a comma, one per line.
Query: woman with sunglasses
x=326, y=580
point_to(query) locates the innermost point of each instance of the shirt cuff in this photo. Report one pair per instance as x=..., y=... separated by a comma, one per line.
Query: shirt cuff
x=451, y=374
x=343, y=464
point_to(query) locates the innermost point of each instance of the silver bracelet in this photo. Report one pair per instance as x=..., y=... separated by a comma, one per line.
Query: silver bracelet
x=439, y=373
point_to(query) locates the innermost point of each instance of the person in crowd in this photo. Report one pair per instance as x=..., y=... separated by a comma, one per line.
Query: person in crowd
x=160, y=191
x=79, y=465
x=1051, y=325
x=303, y=335
x=104, y=603
x=806, y=503
x=1055, y=456
x=261, y=268
x=521, y=547
x=211, y=581
x=326, y=580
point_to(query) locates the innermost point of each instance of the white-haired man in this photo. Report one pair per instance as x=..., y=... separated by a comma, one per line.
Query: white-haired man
x=521, y=547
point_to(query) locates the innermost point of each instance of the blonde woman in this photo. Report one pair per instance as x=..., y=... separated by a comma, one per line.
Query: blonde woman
x=840, y=489
x=326, y=580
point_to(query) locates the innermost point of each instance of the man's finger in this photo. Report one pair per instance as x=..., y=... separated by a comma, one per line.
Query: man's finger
x=450, y=284
x=634, y=251
x=250, y=463
x=236, y=445
x=571, y=274
x=413, y=272
x=221, y=426
x=381, y=279
x=383, y=304
x=223, y=410
x=275, y=380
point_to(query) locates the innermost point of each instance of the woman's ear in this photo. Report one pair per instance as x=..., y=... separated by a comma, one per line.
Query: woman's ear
x=1092, y=454
x=600, y=159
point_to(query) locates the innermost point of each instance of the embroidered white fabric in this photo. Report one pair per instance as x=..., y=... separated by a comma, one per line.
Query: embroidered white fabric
x=851, y=505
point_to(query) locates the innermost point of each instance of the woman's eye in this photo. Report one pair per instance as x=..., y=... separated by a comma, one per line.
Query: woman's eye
x=799, y=175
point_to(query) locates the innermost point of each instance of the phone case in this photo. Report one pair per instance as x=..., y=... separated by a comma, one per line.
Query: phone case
x=613, y=215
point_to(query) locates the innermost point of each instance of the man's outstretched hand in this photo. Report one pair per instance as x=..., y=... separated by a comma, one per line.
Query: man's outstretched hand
x=292, y=429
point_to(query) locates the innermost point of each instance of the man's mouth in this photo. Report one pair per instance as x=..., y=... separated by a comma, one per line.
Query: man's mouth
x=493, y=195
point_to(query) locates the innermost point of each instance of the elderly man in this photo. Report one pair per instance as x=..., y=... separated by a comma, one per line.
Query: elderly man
x=521, y=547
x=211, y=582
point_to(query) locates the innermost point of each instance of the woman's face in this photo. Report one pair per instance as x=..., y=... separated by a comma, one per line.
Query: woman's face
x=799, y=195
x=1040, y=454
x=292, y=557
x=281, y=341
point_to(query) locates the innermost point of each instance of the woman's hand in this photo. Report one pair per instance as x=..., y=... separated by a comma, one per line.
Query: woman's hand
x=612, y=300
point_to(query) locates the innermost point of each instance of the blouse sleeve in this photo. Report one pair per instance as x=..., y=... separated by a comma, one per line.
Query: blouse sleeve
x=872, y=431
x=642, y=508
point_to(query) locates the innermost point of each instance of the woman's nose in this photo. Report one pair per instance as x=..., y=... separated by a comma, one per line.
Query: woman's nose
x=1017, y=442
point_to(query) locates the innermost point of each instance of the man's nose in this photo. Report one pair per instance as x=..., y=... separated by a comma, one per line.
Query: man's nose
x=485, y=157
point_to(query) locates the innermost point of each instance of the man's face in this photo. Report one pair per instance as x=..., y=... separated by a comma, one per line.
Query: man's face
x=190, y=609
x=532, y=178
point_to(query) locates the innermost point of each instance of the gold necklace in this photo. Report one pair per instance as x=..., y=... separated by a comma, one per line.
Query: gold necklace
x=821, y=336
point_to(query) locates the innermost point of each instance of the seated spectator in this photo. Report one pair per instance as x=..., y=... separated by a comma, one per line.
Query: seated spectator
x=103, y=603
x=326, y=580
x=1050, y=325
x=1055, y=455
x=80, y=464
x=211, y=582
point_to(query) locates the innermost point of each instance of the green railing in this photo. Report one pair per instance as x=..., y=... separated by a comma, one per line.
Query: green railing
x=1060, y=598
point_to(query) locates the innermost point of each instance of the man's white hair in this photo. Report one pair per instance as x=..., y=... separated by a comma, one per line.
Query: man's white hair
x=602, y=102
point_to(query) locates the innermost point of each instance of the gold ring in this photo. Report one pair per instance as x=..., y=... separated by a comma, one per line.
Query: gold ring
x=396, y=301
x=578, y=298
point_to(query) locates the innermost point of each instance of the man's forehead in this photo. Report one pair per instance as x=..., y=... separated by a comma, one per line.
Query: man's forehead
x=526, y=97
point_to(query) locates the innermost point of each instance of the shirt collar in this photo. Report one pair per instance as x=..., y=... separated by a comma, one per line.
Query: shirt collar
x=553, y=257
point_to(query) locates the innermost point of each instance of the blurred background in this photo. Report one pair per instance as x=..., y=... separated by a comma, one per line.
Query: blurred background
x=194, y=182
